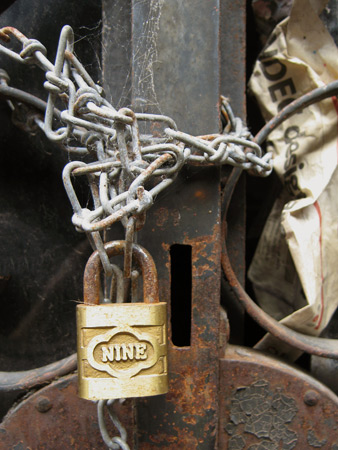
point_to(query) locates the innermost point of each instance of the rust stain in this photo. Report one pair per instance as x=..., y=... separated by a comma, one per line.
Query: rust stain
x=162, y=216
x=5, y=31
x=200, y=270
x=190, y=419
x=200, y=195
x=176, y=217
x=166, y=218
x=69, y=55
x=166, y=247
x=200, y=241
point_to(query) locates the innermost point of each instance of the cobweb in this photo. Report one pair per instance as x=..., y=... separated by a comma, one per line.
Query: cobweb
x=90, y=36
x=145, y=55
x=129, y=53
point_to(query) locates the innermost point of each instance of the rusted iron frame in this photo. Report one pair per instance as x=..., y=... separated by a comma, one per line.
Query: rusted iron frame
x=180, y=76
x=26, y=379
x=58, y=413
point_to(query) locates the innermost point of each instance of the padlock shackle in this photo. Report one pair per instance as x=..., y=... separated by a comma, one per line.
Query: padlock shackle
x=92, y=282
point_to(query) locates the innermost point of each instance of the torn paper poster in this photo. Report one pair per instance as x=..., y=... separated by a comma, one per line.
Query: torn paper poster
x=300, y=56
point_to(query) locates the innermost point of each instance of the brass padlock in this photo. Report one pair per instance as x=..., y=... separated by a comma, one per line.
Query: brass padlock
x=122, y=347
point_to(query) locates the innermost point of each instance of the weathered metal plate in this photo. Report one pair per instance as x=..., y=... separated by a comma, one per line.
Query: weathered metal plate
x=56, y=418
x=266, y=404
x=176, y=71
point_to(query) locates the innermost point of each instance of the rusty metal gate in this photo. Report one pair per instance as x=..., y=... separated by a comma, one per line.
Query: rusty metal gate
x=174, y=58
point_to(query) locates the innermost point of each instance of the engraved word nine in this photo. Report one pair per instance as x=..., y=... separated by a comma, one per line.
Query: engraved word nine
x=124, y=352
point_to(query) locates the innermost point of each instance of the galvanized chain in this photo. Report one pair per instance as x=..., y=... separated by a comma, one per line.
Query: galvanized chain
x=136, y=155
x=133, y=156
x=116, y=442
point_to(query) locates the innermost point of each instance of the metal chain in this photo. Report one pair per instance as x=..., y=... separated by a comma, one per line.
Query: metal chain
x=129, y=163
x=132, y=164
x=115, y=442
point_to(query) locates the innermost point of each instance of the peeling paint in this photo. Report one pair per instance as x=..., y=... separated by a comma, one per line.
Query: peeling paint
x=265, y=414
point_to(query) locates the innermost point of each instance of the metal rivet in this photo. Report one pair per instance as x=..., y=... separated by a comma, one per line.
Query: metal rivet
x=43, y=404
x=311, y=398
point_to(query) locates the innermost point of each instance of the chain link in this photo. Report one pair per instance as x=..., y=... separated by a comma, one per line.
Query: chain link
x=126, y=159
x=116, y=442
x=130, y=157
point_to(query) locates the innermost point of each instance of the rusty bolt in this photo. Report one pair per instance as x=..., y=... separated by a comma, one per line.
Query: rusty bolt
x=311, y=398
x=43, y=404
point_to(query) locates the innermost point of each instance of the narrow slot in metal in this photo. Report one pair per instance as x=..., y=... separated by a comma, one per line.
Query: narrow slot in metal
x=181, y=283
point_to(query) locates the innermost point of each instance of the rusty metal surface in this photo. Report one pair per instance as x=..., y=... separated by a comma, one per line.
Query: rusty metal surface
x=91, y=283
x=187, y=416
x=176, y=71
x=56, y=418
x=266, y=404
x=232, y=85
x=252, y=400
x=176, y=64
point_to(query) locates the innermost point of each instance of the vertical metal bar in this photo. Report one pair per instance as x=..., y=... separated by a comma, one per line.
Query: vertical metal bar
x=116, y=51
x=176, y=71
x=175, y=57
x=116, y=79
x=233, y=68
x=176, y=61
x=232, y=52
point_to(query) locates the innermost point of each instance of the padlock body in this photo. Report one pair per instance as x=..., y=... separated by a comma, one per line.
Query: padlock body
x=122, y=350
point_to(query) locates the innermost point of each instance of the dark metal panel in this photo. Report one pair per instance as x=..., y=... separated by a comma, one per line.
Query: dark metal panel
x=187, y=417
x=176, y=72
x=233, y=49
x=176, y=61
x=116, y=51
x=235, y=242
x=42, y=256
x=232, y=82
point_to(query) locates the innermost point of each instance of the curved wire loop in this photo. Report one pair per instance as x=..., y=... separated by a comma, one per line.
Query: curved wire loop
x=327, y=348
x=27, y=379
